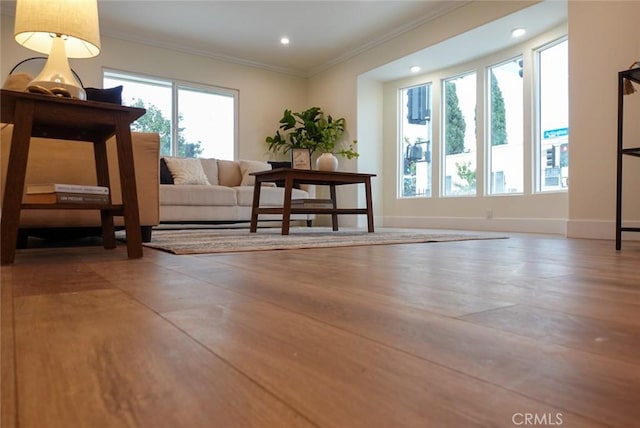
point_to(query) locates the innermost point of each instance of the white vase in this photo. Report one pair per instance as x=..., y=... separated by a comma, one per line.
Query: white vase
x=327, y=162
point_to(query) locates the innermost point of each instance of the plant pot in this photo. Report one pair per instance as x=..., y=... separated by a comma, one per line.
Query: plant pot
x=327, y=162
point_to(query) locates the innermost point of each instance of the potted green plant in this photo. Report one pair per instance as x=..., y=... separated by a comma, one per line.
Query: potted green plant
x=309, y=129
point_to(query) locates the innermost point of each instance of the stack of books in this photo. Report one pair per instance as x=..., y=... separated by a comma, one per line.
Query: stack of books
x=54, y=193
x=311, y=203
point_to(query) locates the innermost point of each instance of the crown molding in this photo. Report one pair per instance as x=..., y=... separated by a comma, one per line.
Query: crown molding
x=447, y=8
x=8, y=8
x=127, y=37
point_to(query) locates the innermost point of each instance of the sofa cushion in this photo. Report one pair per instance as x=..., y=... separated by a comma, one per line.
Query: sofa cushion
x=229, y=173
x=210, y=167
x=249, y=166
x=186, y=170
x=269, y=196
x=197, y=195
x=165, y=174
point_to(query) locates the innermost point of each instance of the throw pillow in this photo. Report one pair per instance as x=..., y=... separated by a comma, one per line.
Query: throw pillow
x=229, y=174
x=280, y=164
x=210, y=167
x=165, y=174
x=249, y=166
x=186, y=170
x=110, y=95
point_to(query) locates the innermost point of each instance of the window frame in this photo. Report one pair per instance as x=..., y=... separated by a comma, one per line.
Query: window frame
x=488, y=113
x=175, y=85
x=537, y=120
x=447, y=181
x=400, y=150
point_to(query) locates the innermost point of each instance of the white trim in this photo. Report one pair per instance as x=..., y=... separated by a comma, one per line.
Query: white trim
x=520, y=225
x=600, y=229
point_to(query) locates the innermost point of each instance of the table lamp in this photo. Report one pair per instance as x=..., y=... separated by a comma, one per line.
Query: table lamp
x=62, y=29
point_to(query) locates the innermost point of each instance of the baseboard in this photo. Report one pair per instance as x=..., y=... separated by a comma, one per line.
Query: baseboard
x=519, y=225
x=587, y=229
x=600, y=229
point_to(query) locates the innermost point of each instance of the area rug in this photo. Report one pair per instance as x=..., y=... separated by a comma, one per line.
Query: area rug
x=236, y=240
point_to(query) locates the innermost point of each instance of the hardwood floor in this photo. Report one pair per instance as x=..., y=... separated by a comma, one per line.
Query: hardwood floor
x=493, y=333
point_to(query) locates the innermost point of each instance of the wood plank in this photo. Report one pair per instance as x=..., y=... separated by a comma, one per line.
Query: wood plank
x=64, y=274
x=496, y=276
x=8, y=402
x=337, y=332
x=506, y=360
x=316, y=367
x=611, y=339
x=98, y=358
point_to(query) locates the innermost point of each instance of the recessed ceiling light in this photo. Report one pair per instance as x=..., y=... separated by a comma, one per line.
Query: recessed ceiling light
x=415, y=68
x=284, y=40
x=518, y=32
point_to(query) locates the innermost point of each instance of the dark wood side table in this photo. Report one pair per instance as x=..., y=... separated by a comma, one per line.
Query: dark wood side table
x=45, y=116
x=303, y=176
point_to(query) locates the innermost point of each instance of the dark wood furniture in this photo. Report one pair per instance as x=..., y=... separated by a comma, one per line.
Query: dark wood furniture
x=302, y=176
x=634, y=76
x=35, y=115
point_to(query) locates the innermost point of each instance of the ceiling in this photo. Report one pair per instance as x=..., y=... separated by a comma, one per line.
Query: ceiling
x=322, y=33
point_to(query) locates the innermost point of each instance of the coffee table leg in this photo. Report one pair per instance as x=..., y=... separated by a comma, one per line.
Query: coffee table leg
x=257, y=185
x=367, y=190
x=286, y=205
x=334, y=216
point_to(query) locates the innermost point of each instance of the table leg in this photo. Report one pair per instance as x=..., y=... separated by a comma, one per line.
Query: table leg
x=619, y=164
x=286, y=205
x=257, y=186
x=14, y=183
x=369, y=199
x=128, y=186
x=102, y=173
x=334, y=216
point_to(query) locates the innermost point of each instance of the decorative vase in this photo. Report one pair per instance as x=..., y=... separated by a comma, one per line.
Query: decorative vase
x=327, y=162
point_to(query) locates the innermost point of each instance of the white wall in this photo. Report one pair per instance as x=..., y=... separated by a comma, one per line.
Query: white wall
x=603, y=40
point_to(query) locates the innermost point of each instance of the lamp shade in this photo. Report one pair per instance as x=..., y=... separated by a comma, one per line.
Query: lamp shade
x=75, y=20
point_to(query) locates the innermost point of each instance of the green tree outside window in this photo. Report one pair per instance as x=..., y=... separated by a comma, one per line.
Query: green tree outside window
x=498, y=114
x=456, y=125
x=154, y=121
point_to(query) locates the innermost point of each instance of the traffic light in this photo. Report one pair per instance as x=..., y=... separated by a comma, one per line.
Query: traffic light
x=551, y=156
x=520, y=72
x=564, y=154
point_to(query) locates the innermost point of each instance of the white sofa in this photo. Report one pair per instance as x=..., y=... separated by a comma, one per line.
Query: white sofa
x=218, y=191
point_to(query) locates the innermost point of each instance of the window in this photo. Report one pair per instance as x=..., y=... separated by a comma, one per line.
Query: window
x=459, y=131
x=192, y=120
x=505, y=130
x=553, y=120
x=415, y=141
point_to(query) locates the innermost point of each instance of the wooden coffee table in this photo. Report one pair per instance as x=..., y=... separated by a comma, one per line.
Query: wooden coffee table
x=303, y=176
